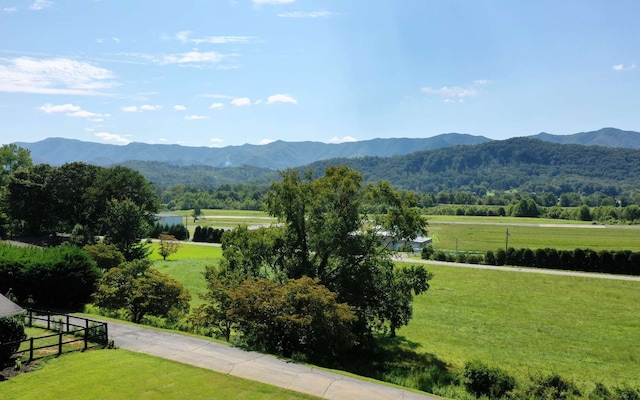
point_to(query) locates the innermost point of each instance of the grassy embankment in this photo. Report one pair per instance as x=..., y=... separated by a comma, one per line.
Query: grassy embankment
x=121, y=374
x=585, y=329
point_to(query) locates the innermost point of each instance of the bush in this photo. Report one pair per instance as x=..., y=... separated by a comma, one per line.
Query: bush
x=11, y=330
x=553, y=387
x=106, y=256
x=482, y=380
x=427, y=252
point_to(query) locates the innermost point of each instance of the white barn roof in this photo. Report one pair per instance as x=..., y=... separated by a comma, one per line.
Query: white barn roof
x=8, y=308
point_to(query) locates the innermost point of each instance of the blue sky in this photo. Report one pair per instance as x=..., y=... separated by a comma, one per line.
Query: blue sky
x=229, y=72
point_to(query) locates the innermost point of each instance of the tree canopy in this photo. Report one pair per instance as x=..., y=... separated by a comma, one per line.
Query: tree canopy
x=328, y=234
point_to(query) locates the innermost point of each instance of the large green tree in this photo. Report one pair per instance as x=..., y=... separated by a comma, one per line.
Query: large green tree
x=12, y=158
x=142, y=290
x=329, y=234
x=30, y=200
x=125, y=224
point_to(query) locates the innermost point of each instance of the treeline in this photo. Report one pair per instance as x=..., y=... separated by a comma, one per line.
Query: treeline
x=623, y=262
x=42, y=199
x=228, y=197
x=209, y=234
x=179, y=231
x=62, y=276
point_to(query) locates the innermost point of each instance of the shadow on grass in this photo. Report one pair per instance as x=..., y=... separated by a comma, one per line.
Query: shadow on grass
x=396, y=360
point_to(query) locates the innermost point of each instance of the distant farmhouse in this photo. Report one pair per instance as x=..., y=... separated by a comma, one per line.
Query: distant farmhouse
x=168, y=219
x=8, y=308
x=416, y=244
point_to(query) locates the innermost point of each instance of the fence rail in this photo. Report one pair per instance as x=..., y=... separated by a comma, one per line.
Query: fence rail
x=90, y=332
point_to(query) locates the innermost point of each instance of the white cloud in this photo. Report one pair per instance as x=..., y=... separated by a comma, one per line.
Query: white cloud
x=37, y=5
x=272, y=1
x=216, y=142
x=281, y=98
x=147, y=107
x=195, y=117
x=481, y=82
x=115, y=39
x=53, y=76
x=344, y=139
x=100, y=40
x=10, y=9
x=216, y=105
x=71, y=110
x=112, y=137
x=179, y=107
x=622, y=67
x=304, y=14
x=185, y=37
x=144, y=107
x=266, y=141
x=240, y=102
x=451, y=92
x=192, y=57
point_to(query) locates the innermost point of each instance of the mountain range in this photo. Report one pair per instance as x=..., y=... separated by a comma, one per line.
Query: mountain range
x=280, y=154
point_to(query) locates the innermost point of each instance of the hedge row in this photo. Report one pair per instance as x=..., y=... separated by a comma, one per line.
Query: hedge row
x=63, y=276
x=207, y=234
x=179, y=231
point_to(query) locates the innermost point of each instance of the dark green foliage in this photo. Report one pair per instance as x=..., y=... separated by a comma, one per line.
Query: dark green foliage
x=299, y=317
x=482, y=380
x=63, y=276
x=208, y=234
x=552, y=387
x=616, y=262
x=142, y=290
x=427, y=252
x=11, y=330
x=125, y=224
x=106, y=256
x=180, y=232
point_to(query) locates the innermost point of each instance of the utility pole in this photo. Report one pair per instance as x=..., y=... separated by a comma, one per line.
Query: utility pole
x=506, y=247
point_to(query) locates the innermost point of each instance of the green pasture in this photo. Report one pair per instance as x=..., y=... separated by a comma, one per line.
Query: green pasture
x=585, y=329
x=189, y=273
x=225, y=218
x=120, y=374
x=188, y=251
x=479, y=236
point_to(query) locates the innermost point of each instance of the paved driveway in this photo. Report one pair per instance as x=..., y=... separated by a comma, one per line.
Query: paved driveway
x=251, y=365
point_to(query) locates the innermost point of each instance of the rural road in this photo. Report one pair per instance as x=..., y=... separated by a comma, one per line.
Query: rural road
x=252, y=365
x=405, y=258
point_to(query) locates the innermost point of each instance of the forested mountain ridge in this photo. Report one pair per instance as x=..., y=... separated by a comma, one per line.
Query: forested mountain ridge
x=275, y=155
x=519, y=163
x=608, y=137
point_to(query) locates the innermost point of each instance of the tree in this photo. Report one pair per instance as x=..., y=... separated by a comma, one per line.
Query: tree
x=327, y=234
x=300, y=316
x=142, y=290
x=12, y=158
x=106, y=256
x=11, y=333
x=125, y=224
x=30, y=202
x=197, y=212
x=168, y=245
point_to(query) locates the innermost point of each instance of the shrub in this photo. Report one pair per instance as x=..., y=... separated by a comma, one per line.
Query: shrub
x=553, y=387
x=490, y=258
x=11, y=330
x=482, y=380
x=427, y=252
x=106, y=256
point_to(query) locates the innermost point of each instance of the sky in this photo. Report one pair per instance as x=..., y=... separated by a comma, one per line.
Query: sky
x=228, y=72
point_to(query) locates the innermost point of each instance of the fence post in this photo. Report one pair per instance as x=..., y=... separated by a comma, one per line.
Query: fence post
x=30, y=349
x=60, y=343
x=67, y=323
x=30, y=317
x=48, y=321
x=106, y=334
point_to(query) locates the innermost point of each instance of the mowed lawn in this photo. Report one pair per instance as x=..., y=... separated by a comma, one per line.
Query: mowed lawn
x=121, y=374
x=474, y=236
x=586, y=329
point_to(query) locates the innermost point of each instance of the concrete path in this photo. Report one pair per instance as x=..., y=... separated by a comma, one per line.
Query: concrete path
x=251, y=365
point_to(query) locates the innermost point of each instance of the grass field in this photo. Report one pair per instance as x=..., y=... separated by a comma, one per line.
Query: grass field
x=120, y=374
x=189, y=273
x=526, y=323
x=484, y=236
x=188, y=251
x=586, y=329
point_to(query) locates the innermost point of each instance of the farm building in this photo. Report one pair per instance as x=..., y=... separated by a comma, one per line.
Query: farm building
x=8, y=308
x=169, y=219
x=416, y=244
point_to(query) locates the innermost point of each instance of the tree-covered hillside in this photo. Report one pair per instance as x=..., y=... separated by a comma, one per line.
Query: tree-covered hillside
x=518, y=163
